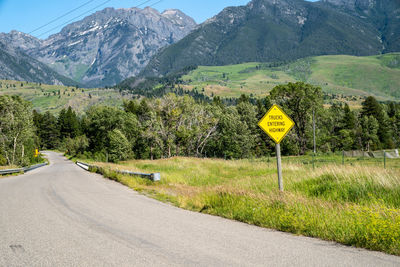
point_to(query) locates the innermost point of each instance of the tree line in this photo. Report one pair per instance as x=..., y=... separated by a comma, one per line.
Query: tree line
x=171, y=125
x=153, y=128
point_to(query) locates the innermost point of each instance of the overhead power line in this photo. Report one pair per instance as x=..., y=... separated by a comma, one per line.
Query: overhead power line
x=156, y=3
x=62, y=16
x=71, y=20
x=145, y=2
x=89, y=11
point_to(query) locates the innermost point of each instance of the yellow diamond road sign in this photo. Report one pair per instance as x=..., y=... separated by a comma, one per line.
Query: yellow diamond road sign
x=276, y=123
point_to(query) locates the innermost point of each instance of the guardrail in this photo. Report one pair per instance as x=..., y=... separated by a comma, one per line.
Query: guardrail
x=11, y=171
x=151, y=176
x=33, y=167
x=24, y=170
x=83, y=165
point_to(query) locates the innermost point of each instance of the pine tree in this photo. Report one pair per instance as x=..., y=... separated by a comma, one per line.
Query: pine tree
x=371, y=108
x=349, y=118
x=68, y=123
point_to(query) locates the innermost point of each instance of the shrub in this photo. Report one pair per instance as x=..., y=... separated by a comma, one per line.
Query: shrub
x=3, y=161
x=119, y=148
x=77, y=145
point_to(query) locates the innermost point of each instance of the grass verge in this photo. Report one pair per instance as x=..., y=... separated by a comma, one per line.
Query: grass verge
x=356, y=205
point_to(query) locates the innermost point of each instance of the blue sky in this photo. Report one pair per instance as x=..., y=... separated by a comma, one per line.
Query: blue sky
x=28, y=15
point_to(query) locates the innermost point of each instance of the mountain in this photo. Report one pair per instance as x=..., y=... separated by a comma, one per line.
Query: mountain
x=284, y=30
x=14, y=64
x=108, y=46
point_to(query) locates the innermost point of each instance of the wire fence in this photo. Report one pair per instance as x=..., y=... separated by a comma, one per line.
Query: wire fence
x=385, y=159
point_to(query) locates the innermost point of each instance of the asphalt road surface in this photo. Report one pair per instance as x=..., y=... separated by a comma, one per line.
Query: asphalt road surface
x=61, y=215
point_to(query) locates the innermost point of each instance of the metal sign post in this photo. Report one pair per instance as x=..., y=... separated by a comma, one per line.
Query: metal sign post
x=279, y=166
x=277, y=125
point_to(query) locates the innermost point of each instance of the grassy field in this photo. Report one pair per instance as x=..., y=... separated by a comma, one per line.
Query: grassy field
x=53, y=98
x=349, y=75
x=357, y=75
x=234, y=80
x=357, y=204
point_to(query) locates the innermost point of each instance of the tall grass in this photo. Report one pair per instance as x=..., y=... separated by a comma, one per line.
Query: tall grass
x=356, y=205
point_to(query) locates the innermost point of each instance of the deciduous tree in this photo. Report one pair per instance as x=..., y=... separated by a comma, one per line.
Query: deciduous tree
x=16, y=129
x=299, y=100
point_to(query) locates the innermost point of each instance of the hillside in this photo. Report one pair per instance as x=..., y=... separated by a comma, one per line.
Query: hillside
x=14, y=64
x=272, y=31
x=349, y=75
x=53, y=98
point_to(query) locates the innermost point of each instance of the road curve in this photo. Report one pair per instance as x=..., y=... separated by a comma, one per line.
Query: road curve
x=61, y=215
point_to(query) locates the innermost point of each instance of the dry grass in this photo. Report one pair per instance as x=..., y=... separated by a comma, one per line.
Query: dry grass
x=8, y=167
x=358, y=173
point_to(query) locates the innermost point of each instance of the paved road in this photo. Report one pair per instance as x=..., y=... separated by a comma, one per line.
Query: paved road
x=60, y=215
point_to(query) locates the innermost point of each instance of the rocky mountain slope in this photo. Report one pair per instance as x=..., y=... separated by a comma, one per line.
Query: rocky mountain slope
x=15, y=64
x=282, y=30
x=108, y=46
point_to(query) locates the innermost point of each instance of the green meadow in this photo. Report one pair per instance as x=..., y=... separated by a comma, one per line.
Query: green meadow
x=378, y=76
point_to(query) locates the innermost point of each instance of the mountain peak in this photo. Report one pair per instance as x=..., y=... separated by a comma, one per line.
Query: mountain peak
x=173, y=12
x=20, y=40
x=178, y=17
x=150, y=10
